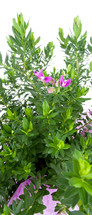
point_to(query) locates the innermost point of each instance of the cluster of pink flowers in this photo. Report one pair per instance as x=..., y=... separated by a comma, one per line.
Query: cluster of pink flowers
x=84, y=129
x=47, y=199
x=51, y=80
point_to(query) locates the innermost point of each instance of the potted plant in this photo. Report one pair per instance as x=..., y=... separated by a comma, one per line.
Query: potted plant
x=41, y=112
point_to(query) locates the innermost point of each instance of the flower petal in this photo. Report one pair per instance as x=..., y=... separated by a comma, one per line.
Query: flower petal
x=52, y=81
x=61, y=80
x=66, y=83
x=39, y=74
x=47, y=79
x=36, y=73
x=51, y=90
x=57, y=83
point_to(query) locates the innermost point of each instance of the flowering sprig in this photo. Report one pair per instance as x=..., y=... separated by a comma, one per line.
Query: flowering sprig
x=43, y=78
x=51, y=80
x=63, y=83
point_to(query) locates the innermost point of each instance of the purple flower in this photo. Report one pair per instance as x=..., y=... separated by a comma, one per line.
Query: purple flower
x=64, y=83
x=51, y=80
x=47, y=79
x=47, y=199
x=39, y=74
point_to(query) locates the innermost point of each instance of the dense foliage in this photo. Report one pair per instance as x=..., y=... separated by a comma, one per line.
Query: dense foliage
x=38, y=133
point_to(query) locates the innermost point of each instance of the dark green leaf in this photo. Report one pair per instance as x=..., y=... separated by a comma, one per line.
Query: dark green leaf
x=89, y=48
x=70, y=192
x=83, y=196
x=27, y=199
x=88, y=187
x=76, y=213
x=7, y=128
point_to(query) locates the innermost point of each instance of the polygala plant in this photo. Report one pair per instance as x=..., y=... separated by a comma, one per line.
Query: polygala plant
x=40, y=113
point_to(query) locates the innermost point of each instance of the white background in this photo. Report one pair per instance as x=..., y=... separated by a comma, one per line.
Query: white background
x=46, y=16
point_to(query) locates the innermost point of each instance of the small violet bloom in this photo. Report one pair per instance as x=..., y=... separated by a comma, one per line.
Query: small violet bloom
x=64, y=83
x=43, y=78
x=51, y=80
x=39, y=74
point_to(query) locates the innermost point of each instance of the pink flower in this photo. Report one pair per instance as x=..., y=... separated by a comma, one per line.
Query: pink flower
x=51, y=89
x=64, y=83
x=47, y=199
x=51, y=80
x=47, y=79
x=43, y=78
x=39, y=74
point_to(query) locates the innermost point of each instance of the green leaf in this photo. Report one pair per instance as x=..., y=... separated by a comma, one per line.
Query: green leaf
x=27, y=198
x=76, y=182
x=76, y=166
x=25, y=124
x=60, y=144
x=45, y=108
x=15, y=41
x=6, y=210
x=28, y=35
x=68, y=113
x=73, y=72
x=69, y=67
x=88, y=176
x=82, y=142
x=61, y=34
x=70, y=192
x=19, y=206
x=36, y=208
x=71, y=126
x=83, y=196
x=31, y=188
x=62, y=46
x=30, y=126
x=77, y=27
x=28, y=112
x=16, y=26
x=7, y=128
x=37, y=41
x=0, y=83
x=89, y=48
x=52, y=115
x=9, y=113
x=88, y=187
x=77, y=154
x=20, y=19
x=85, y=167
x=91, y=40
x=76, y=213
x=88, y=142
x=0, y=58
x=66, y=146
